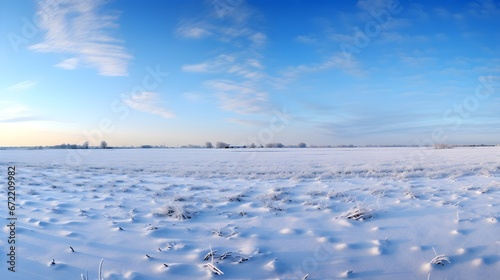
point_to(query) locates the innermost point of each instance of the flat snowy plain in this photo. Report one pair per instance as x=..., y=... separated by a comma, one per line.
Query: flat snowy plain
x=265, y=214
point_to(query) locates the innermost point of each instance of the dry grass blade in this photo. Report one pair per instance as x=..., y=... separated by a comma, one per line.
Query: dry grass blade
x=176, y=211
x=100, y=275
x=242, y=259
x=439, y=259
x=216, y=231
x=209, y=255
x=214, y=269
x=358, y=213
x=225, y=255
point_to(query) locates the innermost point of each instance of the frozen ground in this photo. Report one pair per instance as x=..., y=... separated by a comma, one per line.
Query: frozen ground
x=270, y=213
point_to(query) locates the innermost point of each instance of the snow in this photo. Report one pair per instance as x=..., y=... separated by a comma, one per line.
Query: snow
x=367, y=213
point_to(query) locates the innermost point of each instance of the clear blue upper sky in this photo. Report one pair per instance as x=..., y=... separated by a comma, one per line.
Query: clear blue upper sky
x=186, y=72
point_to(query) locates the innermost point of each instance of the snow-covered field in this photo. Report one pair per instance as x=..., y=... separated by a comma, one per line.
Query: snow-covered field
x=365, y=213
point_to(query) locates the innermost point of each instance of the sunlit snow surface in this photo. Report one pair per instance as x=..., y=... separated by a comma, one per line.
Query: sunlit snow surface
x=281, y=213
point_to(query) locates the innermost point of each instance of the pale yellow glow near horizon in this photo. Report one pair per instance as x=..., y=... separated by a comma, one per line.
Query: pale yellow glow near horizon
x=37, y=133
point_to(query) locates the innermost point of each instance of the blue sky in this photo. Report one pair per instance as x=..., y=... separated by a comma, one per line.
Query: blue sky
x=186, y=72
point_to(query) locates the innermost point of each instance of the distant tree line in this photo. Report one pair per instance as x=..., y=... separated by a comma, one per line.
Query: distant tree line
x=70, y=146
x=84, y=145
x=224, y=145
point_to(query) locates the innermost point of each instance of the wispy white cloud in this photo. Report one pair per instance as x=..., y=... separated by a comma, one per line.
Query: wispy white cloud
x=194, y=30
x=484, y=8
x=305, y=39
x=418, y=10
x=338, y=60
x=373, y=5
x=388, y=32
x=19, y=119
x=80, y=29
x=69, y=64
x=23, y=117
x=23, y=85
x=244, y=103
x=216, y=64
x=350, y=28
x=397, y=37
x=258, y=39
x=490, y=78
x=239, y=90
x=193, y=96
x=149, y=102
x=250, y=69
x=226, y=21
x=234, y=10
x=15, y=110
x=11, y=112
x=254, y=63
x=241, y=98
x=235, y=34
x=415, y=58
x=445, y=13
x=342, y=38
x=247, y=122
x=233, y=64
x=353, y=125
x=367, y=9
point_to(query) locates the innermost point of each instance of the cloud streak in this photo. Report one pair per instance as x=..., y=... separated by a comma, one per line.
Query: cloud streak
x=24, y=85
x=194, y=30
x=19, y=119
x=337, y=60
x=14, y=113
x=241, y=98
x=350, y=126
x=247, y=122
x=238, y=91
x=149, y=102
x=217, y=64
x=79, y=29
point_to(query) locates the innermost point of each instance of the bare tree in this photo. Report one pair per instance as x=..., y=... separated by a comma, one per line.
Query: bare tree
x=104, y=145
x=442, y=146
x=221, y=145
x=302, y=145
x=209, y=145
x=274, y=145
